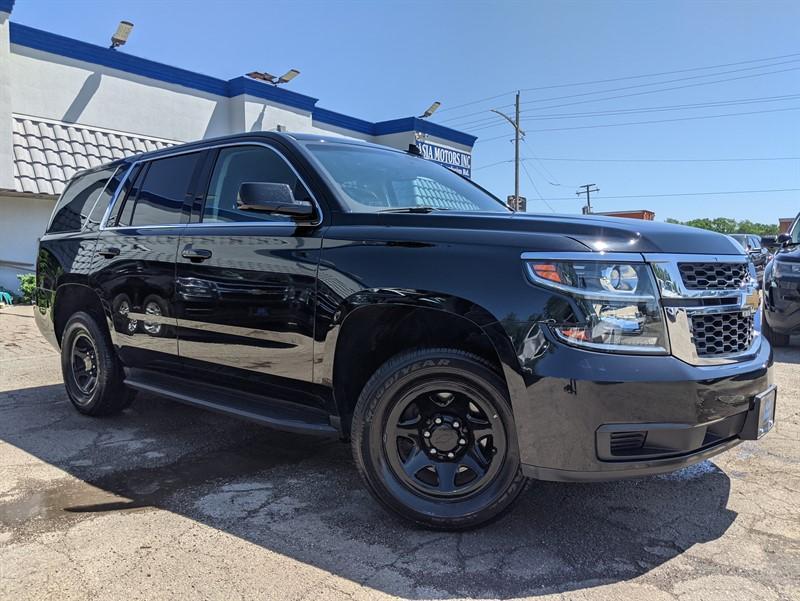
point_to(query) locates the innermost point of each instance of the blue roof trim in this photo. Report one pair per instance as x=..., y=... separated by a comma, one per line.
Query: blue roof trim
x=344, y=121
x=6, y=6
x=424, y=127
x=246, y=85
x=45, y=41
x=115, y=59
x=406, y=124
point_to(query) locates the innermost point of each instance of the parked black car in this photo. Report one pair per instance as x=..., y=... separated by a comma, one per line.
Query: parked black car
x=757, y=253
x=782, y=288
x=338, y=288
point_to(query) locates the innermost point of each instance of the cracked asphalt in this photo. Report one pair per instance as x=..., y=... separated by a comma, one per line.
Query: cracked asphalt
x=169, y=502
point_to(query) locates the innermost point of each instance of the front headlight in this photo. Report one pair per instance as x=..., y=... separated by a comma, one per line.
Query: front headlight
x=614, y=306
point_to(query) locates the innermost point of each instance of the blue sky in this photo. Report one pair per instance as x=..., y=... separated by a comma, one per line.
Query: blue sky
x=380, y=60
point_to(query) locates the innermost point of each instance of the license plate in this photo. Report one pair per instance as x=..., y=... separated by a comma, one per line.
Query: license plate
x=766, y=415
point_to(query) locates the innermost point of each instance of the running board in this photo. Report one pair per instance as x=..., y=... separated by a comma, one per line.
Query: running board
x=274, y=413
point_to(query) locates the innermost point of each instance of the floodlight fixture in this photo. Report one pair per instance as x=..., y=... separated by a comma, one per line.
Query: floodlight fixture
x=431, y=110
x=275, y=81
x=121, y=34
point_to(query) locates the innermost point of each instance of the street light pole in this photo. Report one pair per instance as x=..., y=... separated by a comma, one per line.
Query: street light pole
x=518, y=133
x=516, y=149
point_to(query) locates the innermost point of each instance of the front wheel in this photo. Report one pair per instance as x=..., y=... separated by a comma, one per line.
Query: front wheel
x=434, y=439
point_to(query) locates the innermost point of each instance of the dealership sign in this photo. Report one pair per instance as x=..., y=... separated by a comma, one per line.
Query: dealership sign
x=460, y=162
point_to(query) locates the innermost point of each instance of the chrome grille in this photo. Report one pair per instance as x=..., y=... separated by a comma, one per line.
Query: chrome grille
x=713, y=276
x=722, y=333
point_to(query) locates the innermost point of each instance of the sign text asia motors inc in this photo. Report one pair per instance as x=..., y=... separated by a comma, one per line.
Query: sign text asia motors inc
x=460, y=162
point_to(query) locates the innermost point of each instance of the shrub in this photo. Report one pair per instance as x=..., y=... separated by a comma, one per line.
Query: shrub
x=27, y=285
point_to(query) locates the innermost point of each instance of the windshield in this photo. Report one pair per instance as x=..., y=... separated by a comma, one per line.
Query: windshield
x=371, y=179
x=741, y=239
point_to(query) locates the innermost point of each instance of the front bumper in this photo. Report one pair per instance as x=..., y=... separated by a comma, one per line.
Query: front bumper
x=782, y=305
x=573, y=402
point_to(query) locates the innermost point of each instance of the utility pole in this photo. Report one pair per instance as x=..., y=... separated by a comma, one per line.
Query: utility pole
x=518, y=133
x=587, y=189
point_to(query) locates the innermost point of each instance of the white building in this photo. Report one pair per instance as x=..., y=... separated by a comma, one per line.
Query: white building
x=66, y=105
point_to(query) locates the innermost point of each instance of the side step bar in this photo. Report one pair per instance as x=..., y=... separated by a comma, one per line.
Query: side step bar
x=274, y=413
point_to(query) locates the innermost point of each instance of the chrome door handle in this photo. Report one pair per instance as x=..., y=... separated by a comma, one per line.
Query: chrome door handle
x=109, y=252
x=196, y=255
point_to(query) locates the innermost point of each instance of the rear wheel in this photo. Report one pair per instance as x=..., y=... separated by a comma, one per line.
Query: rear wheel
x=435, y=441
x=92, y=373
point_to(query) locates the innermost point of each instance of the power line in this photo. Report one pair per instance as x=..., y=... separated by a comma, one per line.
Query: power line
x=691, y=85
x=548, y=175
x=491, y=121
x=677, y=194
x=723, y=160
x=795, y=108
x=530, y=179
x=584, y=160
x=640, y=76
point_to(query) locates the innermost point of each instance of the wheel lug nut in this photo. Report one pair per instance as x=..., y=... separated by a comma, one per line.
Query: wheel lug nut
x=433, y=451
x=438, y=420
x=426, y=434
x=462, y=441
x=450, y=455
x=456, y=425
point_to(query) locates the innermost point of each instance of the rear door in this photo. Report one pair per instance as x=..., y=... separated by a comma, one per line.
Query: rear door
x=246, y=283
x=134, y=265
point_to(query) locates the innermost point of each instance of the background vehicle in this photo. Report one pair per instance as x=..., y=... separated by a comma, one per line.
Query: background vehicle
x=782, y=288
x=338, y=288
x=757, y=253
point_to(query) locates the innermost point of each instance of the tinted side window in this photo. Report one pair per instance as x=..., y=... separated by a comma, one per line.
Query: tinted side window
x=78, y=200
x=241, y=164
x=157, y=196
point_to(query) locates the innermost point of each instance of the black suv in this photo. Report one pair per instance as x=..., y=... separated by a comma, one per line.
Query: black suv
x=333, y=287
x=782, y=288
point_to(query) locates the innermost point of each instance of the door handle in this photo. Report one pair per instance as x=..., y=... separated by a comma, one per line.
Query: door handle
x=109, y=252
x=196, y=255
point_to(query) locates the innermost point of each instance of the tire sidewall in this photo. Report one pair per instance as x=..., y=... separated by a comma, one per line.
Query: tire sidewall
x=379, y=397
x=82, y=323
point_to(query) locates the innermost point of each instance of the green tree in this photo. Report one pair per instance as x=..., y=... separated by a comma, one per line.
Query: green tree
x=725, y=225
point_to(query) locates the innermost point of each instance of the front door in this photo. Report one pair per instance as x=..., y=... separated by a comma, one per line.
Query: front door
x=246, y=284
x=134, y=264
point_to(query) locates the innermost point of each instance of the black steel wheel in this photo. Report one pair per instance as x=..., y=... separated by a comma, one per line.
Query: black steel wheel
x=434, y=439
x=92, y=373
x=83, y=357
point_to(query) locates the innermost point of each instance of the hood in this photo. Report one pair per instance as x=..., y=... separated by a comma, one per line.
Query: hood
x=790, y=255
x=595, y=232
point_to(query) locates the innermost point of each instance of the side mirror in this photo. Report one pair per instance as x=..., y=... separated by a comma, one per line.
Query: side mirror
x=270, y=197
x=783, y=238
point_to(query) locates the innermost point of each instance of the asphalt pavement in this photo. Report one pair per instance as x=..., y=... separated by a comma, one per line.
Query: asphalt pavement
x=169, y=502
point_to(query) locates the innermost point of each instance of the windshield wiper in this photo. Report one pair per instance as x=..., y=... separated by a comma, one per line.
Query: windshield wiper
x=417, y=209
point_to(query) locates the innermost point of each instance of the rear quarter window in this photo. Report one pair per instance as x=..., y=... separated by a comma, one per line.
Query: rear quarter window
x=158, y=193
x=80, y=200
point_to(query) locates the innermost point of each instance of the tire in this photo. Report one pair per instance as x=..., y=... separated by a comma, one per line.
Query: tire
x=395, y=435
x=775, y=338
x=95, y=386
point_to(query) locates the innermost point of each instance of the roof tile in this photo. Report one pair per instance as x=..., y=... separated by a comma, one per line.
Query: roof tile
x=47, y=154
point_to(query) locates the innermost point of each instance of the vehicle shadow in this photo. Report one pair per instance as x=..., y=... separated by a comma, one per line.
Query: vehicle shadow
x=788, y=354
x=302, y=498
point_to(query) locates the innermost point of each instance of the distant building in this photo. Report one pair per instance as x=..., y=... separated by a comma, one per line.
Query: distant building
x=66, y=105
x=639, y=214
x=784, y=223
